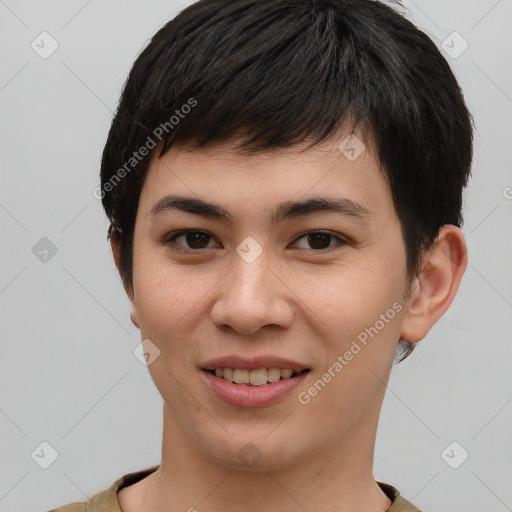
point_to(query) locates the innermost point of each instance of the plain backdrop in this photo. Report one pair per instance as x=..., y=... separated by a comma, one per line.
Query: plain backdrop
x=69, y=377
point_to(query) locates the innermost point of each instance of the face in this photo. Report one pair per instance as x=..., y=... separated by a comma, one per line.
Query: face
x=287, y=259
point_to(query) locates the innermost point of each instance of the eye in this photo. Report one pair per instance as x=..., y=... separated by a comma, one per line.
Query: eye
x=192, y=240
x=319, y=240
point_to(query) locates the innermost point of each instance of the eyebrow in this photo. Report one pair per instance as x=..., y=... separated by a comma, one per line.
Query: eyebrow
x=283, y=211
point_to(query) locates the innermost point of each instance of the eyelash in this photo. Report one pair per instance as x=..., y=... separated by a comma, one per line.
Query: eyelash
x=171, y=239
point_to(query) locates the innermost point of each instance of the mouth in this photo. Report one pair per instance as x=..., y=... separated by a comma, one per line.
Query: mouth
x=254, y=386
x=256, y=377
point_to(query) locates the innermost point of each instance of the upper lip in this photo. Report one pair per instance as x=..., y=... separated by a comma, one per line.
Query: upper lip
x=252, y=363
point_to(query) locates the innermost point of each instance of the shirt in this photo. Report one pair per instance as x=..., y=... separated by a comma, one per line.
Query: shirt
x=106, y=501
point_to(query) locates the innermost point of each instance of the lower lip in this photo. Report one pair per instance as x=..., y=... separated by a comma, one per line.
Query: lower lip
x=241, y=395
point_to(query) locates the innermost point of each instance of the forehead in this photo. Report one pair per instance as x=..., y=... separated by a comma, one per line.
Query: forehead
x=246, y=183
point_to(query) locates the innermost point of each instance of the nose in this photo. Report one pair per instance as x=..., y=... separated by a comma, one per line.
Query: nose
x=252, y=296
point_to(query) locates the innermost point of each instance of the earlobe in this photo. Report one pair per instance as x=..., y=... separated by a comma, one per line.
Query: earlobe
x=134, y=316
x=433, y=290
x=115, y=243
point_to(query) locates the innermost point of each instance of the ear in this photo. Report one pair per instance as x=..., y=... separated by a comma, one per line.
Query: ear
x=433, y=290
x=115, y=243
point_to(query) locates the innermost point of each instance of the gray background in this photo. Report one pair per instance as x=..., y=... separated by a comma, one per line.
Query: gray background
x=68, y=373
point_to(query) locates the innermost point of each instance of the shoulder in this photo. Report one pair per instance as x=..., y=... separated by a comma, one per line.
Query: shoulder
x=72, y=507
x=106, y=501
x=398, y=502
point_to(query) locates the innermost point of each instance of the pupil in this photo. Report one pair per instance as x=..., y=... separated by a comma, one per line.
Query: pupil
x=317, y=240
x=195, y=240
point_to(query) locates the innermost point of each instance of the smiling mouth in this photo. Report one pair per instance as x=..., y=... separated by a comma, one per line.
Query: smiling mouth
x=257, y=377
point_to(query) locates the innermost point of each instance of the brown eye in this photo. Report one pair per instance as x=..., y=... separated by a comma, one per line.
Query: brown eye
x=197, y=240
x=191, y=240
x=318, y=240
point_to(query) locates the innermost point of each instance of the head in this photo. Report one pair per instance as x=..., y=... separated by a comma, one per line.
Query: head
x=248, y=104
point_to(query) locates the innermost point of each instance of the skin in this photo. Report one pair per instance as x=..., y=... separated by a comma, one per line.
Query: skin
x=296, y=300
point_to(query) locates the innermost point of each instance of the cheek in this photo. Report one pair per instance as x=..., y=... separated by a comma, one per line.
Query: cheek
x=166, y=299
x=363, y=311
x=166, y=304
x=353, y=299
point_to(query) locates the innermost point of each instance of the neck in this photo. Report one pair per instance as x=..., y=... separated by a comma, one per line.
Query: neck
x=336, y=478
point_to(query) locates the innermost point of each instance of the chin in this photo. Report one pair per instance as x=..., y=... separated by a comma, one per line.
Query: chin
x=257, y=453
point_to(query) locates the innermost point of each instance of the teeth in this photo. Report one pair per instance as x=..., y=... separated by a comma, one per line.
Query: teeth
x=285, y=374
x=257, y=377
x=241, y=376
x=273, y=374
x=227, y=374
